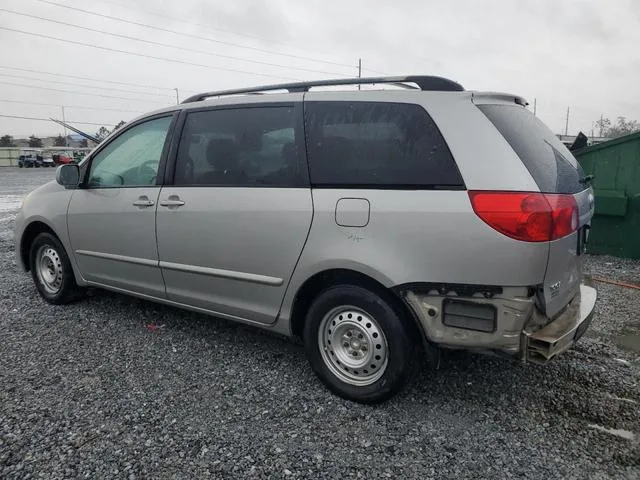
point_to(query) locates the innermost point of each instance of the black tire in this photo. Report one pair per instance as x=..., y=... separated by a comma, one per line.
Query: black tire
x=62, y=288
x=396, y=330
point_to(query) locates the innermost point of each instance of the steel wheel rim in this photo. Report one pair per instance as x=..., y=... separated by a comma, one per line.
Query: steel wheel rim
x=49, y=269
x=353, y=345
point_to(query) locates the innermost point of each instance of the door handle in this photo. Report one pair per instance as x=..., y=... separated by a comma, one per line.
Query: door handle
x=172, y=201
x=143, y=201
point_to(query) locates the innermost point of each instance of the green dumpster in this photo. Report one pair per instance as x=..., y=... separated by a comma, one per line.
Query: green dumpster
x=615, y=229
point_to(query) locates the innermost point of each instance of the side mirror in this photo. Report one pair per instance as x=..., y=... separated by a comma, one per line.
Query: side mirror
x=68, y=175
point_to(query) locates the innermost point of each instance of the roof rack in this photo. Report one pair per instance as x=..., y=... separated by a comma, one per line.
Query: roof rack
x=423, y=82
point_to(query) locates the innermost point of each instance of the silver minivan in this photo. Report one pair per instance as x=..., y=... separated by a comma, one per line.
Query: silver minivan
x=375, y=224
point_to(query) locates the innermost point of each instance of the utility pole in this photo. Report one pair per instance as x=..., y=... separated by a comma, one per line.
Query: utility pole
x=535, y=104
x=359, y=70
x=177, y=97
x=566, y=125
x=66, y=144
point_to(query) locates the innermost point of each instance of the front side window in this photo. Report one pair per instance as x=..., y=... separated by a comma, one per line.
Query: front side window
x=253, y=146
x=377, y=144
x=131, y=159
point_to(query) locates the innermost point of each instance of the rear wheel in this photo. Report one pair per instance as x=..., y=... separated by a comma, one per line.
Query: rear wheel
x=358, y=344
x=51, y=270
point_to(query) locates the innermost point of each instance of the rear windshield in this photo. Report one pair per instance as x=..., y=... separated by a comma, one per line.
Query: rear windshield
x=550, y=163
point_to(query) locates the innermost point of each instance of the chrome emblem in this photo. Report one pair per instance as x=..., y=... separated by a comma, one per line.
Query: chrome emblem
x=591, y=201
x=554, y=289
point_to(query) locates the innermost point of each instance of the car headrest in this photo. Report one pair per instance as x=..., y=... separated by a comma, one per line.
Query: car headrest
x=222, y=153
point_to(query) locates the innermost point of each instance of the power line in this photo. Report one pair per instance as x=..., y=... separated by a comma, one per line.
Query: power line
x=70, y=106
x=175, y=32
x=376, y=71
x=77, y=93
x=85, y=78
x=167, y=45
x=255, y=37
x=144, y=55
x=48, y=120
x=82, y=85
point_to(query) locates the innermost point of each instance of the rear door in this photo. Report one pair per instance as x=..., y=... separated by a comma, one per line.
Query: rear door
x=556, y=171
x=232, y=225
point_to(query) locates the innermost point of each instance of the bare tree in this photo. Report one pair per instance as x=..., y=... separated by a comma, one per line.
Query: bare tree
x=620, y=128
x=603, y=125
x=59, y=141
x=102, y=133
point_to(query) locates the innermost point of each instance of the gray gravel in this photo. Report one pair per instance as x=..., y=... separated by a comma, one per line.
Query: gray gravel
x=88, y=390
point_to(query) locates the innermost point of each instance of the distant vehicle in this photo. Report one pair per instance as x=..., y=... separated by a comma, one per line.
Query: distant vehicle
x=35, y=158
x=62, y=159
x=370, y=223
x=28, y=161
x=24, y=161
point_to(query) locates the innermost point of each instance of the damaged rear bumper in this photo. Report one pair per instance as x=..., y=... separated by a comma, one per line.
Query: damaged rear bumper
x=541, y=345
x=519, y=330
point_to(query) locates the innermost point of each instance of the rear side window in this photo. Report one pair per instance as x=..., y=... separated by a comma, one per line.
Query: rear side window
x=375, y=144
x=549, y=162
x=241, y=147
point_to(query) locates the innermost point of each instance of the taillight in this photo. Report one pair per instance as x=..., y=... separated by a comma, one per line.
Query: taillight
x=526, y=216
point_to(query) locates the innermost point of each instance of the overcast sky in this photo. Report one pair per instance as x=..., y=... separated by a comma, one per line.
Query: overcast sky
x=578, y=54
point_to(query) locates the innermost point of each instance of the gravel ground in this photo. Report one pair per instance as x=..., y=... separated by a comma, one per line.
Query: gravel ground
x=90, y=390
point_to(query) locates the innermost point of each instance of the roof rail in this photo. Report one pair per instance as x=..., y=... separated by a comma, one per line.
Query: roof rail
x=423, y=82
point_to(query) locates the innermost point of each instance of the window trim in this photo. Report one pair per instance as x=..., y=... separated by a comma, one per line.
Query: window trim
x=163, y=156
x=387, y=186
x=303, y=180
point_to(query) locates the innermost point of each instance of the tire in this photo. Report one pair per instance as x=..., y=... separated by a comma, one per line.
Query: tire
x=51, y=270
x=358, y=344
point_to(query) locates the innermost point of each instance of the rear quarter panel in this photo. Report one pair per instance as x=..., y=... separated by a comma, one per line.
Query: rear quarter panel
x=415, y=236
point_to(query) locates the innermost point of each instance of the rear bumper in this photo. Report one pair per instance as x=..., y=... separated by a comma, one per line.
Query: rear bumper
x=520, y=330
x=563, y=332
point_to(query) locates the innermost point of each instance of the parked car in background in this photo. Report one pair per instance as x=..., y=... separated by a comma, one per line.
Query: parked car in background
x=369, y=223
x=60, y=159
x=26, y=161
x=35, y=158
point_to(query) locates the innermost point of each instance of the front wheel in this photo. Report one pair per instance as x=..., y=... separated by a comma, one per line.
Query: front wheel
x=358, y=344
x=51, y=270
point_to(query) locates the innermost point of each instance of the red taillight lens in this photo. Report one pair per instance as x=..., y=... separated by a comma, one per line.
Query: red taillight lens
x=530, y=217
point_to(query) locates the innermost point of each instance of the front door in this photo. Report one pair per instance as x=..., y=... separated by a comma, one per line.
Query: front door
x=233, y=224
x=111, y=219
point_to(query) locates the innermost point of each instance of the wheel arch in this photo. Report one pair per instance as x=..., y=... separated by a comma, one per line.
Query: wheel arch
x=29, y=234
x=322, y=280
